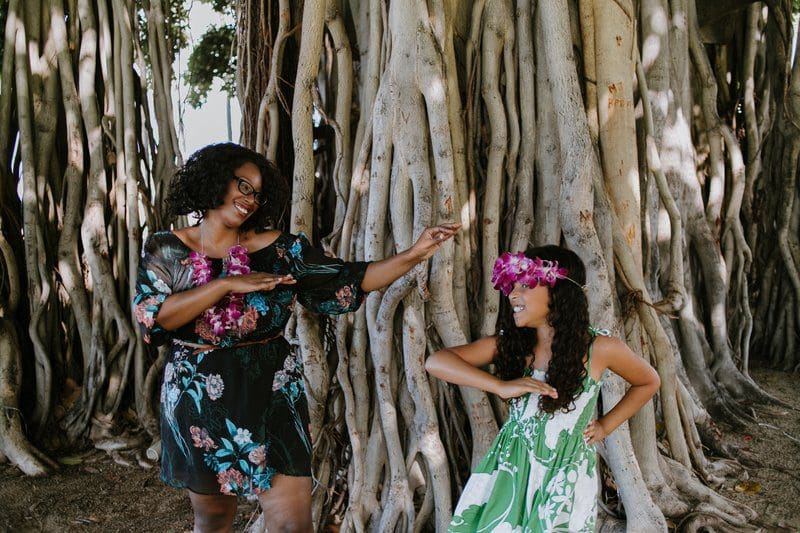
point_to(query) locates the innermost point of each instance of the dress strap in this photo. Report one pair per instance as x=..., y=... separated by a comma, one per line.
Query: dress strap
x=595, y=332
x=599, y=331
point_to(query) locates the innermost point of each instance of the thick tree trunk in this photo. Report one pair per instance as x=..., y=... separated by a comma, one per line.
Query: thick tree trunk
x=66, y=213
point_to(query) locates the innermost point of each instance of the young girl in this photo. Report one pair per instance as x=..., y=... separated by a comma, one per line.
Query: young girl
x=540, y=472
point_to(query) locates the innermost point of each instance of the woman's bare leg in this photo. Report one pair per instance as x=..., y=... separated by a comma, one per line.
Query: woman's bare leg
x=287, y=505
x=213, y=514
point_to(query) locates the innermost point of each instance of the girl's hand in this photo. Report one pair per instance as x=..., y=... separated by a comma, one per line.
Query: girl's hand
x=521, y=386
x=257, y=281
x=594, y=432
x=432, y=238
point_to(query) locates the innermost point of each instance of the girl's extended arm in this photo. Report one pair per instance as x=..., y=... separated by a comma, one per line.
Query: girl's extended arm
x=614, y=354
x=460, y=365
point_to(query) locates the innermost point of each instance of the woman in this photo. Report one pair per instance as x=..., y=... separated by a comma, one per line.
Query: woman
x=234, y=418
x=540, y=472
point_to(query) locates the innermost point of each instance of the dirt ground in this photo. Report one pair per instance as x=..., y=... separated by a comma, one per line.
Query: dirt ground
x=773, y=490
x=100, y=495
x=97, y=495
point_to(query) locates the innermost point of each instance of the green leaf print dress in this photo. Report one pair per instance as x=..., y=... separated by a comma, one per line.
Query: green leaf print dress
x=539, y=474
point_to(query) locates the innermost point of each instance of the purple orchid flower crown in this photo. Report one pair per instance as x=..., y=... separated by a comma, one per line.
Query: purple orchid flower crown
x=519, y=268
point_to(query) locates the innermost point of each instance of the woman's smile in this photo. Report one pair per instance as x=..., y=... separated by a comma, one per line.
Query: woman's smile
x=243, y=209
x=244, y=191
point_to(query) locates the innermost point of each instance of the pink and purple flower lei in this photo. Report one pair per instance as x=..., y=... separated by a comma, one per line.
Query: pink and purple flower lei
x=224, y=316
x=518, y=268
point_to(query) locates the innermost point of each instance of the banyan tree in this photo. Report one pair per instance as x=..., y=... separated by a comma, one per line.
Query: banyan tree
x=659, y=139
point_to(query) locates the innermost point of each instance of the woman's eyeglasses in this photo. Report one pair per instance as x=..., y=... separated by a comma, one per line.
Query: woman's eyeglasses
x=245, y=188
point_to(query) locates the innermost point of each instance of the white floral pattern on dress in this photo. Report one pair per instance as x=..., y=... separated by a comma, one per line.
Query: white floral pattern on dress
x=242, y=437
x=214, y=386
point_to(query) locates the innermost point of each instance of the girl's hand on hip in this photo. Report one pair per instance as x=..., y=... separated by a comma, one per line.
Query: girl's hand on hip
x=594, y=432
x=521, y=386
x=432, y=238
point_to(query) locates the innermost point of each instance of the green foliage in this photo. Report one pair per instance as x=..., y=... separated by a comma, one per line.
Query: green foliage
x=177, y=24
x=212, y=58
x=795, y=6
x=223, y=7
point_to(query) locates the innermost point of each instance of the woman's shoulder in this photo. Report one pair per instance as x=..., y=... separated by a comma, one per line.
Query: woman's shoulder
x=162, y=240
x=257, y=241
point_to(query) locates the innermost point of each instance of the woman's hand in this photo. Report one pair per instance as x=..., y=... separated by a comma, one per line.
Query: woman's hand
x=520, y=386
x=432, y=238
x=380, y=274
x=594, y=432
x=257, y=281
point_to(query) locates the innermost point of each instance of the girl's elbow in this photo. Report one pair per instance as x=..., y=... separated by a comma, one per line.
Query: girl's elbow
x=433, y=364
x=430, y=364
x=655, y=383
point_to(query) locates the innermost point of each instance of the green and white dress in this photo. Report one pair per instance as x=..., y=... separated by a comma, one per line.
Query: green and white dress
x=539, y=474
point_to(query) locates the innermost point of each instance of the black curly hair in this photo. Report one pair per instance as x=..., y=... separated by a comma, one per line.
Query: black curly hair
x=569, y=317
x=202, y=182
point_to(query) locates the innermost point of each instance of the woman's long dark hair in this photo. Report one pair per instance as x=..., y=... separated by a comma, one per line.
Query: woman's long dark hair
x=569, y=317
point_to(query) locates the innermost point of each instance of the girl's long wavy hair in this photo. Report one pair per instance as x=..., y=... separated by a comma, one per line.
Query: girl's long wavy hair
x=569, y=317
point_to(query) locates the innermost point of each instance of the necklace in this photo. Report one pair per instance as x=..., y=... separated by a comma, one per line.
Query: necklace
x=226, y=314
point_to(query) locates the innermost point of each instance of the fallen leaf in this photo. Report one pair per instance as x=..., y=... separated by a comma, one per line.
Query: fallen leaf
x=748, y=487
x=70, y=460
x=747, y=439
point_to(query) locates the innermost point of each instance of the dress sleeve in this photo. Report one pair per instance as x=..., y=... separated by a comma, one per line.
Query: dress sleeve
x=154, y=282
x=324, y=284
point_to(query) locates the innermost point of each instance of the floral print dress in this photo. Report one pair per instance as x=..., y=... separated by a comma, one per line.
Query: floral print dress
x=539, y=474
x=233, y=407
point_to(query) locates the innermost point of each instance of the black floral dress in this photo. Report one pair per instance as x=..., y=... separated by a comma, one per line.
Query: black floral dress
x=233, y=408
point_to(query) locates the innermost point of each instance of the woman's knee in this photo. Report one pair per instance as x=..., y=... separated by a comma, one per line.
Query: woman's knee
x=282, y=516
x=288, y=524
x=287, y=505
x=213, y=513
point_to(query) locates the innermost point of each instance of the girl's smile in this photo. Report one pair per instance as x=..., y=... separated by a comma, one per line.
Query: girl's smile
x=530, y=305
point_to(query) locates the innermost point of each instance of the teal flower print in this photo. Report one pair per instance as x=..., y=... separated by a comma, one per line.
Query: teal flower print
x=258, y=301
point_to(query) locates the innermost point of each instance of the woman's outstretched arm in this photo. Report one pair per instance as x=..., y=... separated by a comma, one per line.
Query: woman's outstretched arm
x=379, y=274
